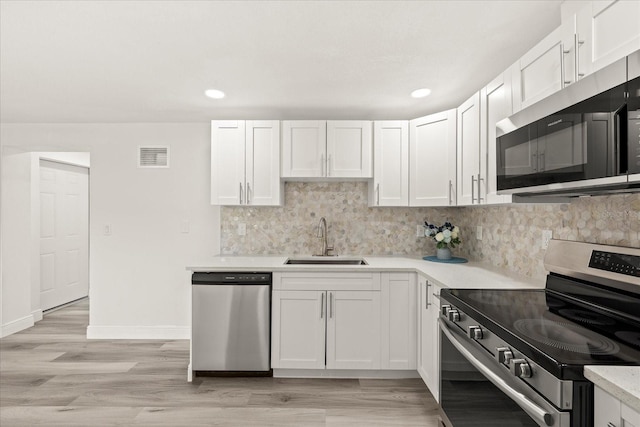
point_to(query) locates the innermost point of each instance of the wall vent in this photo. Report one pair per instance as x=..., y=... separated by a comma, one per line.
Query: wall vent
x=153, y=156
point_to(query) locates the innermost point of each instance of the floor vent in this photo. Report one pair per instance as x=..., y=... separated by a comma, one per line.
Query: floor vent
x=153, y=157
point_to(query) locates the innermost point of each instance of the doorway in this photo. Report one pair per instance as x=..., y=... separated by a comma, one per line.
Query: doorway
x=64, y=233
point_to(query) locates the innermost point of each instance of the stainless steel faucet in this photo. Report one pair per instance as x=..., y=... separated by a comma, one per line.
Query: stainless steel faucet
x=322, y=234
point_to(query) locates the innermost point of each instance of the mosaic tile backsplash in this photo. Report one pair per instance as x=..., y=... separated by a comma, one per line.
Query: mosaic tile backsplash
x=511, y=233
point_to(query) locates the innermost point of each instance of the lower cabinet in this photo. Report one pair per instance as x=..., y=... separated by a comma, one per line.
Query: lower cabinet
x=428, y=335
x=610, y=412
x=332, y=329
x=349, y=321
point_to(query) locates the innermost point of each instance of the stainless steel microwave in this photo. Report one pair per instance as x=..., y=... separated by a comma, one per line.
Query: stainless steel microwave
x=585, y=139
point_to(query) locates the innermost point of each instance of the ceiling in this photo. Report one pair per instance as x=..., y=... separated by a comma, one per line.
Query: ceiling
x=151, y=61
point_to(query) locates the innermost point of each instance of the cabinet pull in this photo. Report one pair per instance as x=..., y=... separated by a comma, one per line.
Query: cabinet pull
x=322, y=306
x=378, y=194
x=240, y=193
x=427, y=303
x=248, y=193
x=534, y=162
x=322, y=165
x=331, y=305
x=541, y=162
x=480, y=189
x=329, y=165
x=563, y=77
x=450, y=201
x=611, y=425
x=473, y=184
x=579, y=43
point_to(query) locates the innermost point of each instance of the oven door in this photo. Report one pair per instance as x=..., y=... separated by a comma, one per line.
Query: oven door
x=475, y=390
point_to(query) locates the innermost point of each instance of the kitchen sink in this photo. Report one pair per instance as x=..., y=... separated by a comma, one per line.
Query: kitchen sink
x=326, y=261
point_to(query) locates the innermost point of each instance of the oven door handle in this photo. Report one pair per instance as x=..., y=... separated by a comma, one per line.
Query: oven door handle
x=539, y=415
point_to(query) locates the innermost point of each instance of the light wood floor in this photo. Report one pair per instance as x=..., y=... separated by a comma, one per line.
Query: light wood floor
x=52, y=375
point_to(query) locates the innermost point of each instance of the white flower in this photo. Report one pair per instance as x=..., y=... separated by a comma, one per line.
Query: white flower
x=454, y=235
x=439, y=237
x=456, y=229
x=447, y=239
x=446, y=233
x=427, y=232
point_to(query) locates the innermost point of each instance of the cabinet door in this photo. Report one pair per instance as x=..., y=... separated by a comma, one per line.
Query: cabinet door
x=546, y=68
x=263, y=186
x=606, y=31
x=304, y=149
x=629, y=416
x=495, y=105
x=424, y=332
x=399, y=321
x=349, y=149
x=432, y=160
x=469, y=151
x=429, y=349
x=606, y=409
x=390, y=186
x=353, y=330
x=298, y=329
x=227, y=162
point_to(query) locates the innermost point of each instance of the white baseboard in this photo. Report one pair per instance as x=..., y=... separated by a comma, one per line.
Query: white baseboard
x=346, y=373
x=139, y=332
x=16, y=326
x=37, y=315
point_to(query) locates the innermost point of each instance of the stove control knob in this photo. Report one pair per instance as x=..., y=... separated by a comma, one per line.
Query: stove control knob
x=444, y=310
x=505, y=355
x=520, y=368
x=454, y=315
x=475, y=332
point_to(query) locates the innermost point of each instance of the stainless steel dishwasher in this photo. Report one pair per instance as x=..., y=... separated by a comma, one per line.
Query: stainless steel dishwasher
x=231, y=323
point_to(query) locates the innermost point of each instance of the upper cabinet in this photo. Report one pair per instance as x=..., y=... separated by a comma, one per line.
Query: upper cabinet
x=432, y=160
x=495, y=105
x=245, y=163
x=390, y=184
x=332, y=149
x=469, y=177
x=606, y=31
x=547, y=68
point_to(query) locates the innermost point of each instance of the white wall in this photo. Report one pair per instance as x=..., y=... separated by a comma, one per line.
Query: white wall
x=139, y=287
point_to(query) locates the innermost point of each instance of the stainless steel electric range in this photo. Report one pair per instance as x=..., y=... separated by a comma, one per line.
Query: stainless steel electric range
x=516, y=357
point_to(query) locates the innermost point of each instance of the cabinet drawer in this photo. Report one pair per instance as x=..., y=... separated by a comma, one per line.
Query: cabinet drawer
x=305, y=281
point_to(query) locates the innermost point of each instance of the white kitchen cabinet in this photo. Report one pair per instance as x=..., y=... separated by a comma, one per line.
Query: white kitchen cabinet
x=606, y=31
x=429, y=335
x=245, y=163
x=298, y=329
x=432, y=160
x=326, y=149
x=399, y=320
x=495, y=105
x=610, y=412
x=468, y=139
x=390, y=184
x=326, y=321
x=546, y=68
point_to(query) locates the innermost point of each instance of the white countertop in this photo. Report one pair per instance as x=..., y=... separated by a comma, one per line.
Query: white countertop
x=467, y=275
x=622, y=382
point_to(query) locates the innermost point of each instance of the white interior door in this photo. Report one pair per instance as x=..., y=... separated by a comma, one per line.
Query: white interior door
x=64, y=233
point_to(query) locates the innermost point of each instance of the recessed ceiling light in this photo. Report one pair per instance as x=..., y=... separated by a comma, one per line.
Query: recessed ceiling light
x=214, y=93
x=421, y=93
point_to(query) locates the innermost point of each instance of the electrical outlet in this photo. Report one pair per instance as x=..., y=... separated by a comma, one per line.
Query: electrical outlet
x=242, y=229
x=479, y=232
x=419, y=230
x=547, y=235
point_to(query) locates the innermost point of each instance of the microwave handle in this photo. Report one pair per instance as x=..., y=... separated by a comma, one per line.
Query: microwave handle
x=540, y=415
x=617, y=147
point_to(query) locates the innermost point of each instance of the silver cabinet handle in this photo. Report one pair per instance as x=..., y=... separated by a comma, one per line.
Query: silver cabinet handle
x=534, y=162
x=427, y=303
x=579, y=43
x=322, y=165
x=480, y=198
x=611, y=425
x=322, y=306
x=240, y=193
x=540, y=415
x=378, y=194
x=331, y=304
x=473, y=183
x=329, y=165
x=563, y=78
x=248, y=193
x=541, y=164
x=450, y=201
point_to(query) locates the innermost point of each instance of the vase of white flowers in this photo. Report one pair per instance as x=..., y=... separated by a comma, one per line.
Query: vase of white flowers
x=446, y=237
